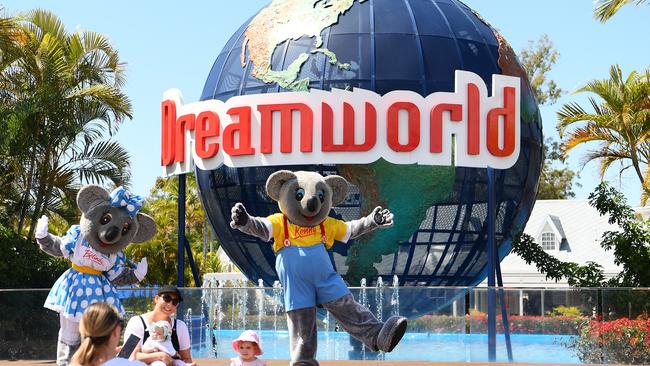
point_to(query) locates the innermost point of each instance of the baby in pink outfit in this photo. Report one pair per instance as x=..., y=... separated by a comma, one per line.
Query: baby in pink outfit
x=248, y=346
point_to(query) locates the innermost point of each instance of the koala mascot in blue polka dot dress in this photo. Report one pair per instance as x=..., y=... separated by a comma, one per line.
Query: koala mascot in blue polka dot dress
x=109, y=222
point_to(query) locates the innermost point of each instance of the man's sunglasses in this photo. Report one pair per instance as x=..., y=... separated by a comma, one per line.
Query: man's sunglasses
x=169, y=298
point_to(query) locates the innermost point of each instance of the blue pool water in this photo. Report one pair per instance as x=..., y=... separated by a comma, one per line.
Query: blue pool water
x=413, y=347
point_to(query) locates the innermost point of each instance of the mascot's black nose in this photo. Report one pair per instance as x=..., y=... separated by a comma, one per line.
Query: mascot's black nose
x=111, y=234
x=312, y=204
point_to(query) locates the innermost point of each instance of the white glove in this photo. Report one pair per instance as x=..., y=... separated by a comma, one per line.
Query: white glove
x=382, y=217
x=141, y=269
x=41, y=227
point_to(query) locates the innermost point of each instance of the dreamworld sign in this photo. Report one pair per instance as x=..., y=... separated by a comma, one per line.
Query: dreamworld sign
x=465, y=128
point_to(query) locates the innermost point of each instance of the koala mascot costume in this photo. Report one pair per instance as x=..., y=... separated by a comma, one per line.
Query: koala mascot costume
x=301, y=235
x=109, y=222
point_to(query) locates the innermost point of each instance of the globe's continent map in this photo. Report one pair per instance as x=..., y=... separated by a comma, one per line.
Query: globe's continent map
x=380, y=183
x=290, y=19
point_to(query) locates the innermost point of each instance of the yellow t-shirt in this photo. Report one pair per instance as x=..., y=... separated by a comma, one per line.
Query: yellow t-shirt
x=307, y=236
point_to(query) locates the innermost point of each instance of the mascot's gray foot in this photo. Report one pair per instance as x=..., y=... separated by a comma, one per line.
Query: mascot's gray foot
x=64, y=353
x=391, y=333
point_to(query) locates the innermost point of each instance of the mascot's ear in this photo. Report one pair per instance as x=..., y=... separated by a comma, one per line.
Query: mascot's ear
x=91, y=196
x=146, y=228
x=339, y=188
x=275, y=182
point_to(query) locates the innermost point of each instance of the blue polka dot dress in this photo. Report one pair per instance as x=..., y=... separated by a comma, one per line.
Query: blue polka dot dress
x=75, y=290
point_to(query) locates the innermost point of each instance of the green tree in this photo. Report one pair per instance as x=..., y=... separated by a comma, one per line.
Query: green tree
x=538, y=59
x=589, y=275
x=161, y=250
x=556, y=178
x=24, y=265
x=619, y=123
x=630, y=244
x=9, y=156
x=606, y=9
x=62, y=97
x=555, y=183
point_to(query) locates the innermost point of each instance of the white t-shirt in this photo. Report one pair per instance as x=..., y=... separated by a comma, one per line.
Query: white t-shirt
x=122, y=362
x=135, y=326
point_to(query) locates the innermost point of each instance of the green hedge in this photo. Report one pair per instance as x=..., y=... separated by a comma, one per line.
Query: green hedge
x=27, y=330
x=25, y=265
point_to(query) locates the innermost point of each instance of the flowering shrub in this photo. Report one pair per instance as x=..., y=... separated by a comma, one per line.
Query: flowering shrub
x=620, y=341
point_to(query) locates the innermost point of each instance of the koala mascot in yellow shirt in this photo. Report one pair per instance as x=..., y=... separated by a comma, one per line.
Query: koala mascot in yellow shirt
x=302, y=232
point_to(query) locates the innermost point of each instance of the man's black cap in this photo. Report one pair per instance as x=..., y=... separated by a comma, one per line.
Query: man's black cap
x=170, y=289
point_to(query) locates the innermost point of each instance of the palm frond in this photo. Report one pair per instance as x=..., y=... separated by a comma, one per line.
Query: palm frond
x=112, y=97
x=605, y=9
x=9, y=35
x=52, y=58
x=41, y=22
x=599, y=109
x=96, y=59
x=606, y=158
x=645, y=187
x=589, y=133
x=608, y=90
x=106, y=160
x=570, y=113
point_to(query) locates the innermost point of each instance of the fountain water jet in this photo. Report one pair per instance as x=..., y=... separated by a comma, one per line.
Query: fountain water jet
x=394, y=300
x=277, y=303
x=379, y=302
x=242, y=304
x=188, y=321
x=260, y=303
x=363, y=300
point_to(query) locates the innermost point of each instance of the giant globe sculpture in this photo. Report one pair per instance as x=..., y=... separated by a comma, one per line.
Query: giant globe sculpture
x=380, y=45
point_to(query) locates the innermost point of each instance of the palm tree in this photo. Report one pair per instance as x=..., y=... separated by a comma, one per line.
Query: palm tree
x=606, y=9
x=161, y=250
x=64, y=93
x=12, y=153
x=620, y=122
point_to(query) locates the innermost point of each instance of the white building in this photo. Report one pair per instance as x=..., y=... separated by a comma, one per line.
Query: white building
x=569, y=230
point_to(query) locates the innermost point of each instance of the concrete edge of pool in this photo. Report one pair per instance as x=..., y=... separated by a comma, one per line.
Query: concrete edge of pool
x=226, y=362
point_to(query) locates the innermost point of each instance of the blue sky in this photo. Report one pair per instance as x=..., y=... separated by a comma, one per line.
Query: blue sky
x=173, y=45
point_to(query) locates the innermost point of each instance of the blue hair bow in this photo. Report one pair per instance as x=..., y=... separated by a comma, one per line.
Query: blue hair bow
x=120, y=197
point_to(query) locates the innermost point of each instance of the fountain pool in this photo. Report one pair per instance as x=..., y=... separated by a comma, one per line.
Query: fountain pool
x=414, y=346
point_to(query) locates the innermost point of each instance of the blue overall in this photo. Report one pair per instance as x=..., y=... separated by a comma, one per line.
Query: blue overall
x=308, y=277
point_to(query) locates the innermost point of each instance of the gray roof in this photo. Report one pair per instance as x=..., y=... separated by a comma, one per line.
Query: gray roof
x=558, y=225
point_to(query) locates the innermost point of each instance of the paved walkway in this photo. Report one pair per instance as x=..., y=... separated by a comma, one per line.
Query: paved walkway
x=225, y=362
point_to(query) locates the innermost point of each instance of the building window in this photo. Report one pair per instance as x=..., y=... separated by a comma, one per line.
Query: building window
x=548, y=241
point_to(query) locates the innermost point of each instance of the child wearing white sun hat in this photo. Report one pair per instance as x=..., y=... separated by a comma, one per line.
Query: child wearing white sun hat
x=249, y=347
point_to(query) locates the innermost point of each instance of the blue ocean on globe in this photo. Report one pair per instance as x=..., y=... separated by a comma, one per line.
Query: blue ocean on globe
x=439, y=238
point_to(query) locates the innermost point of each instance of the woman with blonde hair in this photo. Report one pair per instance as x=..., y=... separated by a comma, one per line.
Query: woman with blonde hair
x=100, y=329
